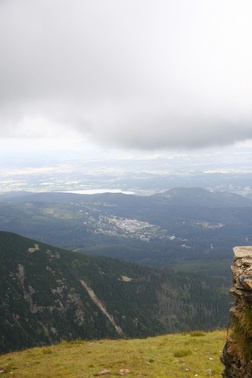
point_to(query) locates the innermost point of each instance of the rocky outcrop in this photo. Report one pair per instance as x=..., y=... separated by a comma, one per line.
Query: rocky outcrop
x=237, y=353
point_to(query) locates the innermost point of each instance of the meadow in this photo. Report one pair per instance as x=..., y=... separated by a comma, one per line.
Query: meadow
x=184, y=355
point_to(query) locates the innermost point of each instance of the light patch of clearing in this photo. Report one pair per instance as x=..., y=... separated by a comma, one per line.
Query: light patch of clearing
x=33, y=249
x=126, y=279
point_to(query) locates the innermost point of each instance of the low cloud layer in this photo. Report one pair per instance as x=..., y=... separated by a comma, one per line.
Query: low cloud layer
x=136, y=74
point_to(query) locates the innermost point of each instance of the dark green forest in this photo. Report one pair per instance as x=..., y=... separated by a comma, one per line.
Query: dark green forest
x=43, y=301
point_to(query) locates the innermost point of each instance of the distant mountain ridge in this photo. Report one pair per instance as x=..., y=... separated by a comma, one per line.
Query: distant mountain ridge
x=202, y=197
x=175, y=196
x=48, y=294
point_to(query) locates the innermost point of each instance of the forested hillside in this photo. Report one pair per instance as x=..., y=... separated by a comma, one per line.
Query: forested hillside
x=48, y=294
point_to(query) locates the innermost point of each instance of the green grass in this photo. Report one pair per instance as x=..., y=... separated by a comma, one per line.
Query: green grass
x=174, y=356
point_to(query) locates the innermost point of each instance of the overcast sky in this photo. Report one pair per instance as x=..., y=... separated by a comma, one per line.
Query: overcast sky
x=138, y=74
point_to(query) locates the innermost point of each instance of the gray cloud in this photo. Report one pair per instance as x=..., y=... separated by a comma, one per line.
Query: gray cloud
x=138, y=74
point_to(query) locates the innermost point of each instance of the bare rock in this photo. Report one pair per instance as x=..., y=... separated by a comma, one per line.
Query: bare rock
x=242, y=252
x=104, y=372
x=123, y=371
x=209, y=371
x=237, y=352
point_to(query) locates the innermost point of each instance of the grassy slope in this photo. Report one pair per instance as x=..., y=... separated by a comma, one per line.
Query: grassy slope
x=169, y=355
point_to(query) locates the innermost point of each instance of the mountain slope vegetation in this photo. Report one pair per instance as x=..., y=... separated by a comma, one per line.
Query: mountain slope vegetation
x=48, y=294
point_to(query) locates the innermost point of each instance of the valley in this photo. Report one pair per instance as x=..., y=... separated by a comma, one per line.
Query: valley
x=125, y=186
x=113, y=265
x=181, y=228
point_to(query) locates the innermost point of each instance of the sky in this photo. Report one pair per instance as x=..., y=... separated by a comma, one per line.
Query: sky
x=127, y=75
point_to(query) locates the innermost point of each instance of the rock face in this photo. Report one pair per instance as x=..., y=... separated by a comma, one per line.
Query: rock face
x=237, y=353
